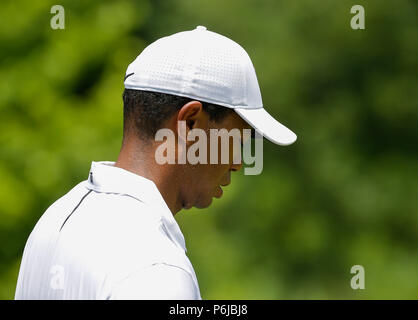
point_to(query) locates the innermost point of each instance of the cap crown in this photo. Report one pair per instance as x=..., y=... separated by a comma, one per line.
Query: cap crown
x=199, y=64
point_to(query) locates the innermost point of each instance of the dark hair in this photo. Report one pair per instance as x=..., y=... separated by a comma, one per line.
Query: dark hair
x=145, y=111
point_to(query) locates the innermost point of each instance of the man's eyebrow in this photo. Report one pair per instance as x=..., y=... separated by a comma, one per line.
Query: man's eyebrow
x=252, y=136
x=252, y=132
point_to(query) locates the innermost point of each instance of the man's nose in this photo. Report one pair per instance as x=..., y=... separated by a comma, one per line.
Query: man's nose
x=236, y=166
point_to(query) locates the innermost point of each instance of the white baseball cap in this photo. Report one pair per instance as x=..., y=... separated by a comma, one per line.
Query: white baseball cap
x=208, y=67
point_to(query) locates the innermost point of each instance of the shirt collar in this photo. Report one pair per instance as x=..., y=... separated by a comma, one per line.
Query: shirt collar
x=105, y=177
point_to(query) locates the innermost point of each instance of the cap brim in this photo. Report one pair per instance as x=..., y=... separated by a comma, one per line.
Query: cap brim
x=269, y=127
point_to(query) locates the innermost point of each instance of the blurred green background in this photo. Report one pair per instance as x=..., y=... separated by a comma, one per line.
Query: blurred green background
x=345, y=193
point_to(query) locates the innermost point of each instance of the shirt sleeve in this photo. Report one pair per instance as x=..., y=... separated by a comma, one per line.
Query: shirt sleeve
x=157, y=282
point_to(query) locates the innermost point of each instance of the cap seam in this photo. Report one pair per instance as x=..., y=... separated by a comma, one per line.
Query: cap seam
x=168, y=91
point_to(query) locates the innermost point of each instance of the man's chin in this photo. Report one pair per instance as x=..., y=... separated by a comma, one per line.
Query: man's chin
x=204, y=204
x=198, y=206
x=200, y=203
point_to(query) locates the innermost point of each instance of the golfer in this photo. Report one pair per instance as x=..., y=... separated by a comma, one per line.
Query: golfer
x=114, y=236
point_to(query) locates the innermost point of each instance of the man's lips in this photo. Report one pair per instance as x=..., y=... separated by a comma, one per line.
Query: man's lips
x=219, y=192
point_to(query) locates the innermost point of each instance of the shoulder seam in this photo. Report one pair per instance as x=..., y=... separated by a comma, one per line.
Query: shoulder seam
x=100, y=190
x=75, y=208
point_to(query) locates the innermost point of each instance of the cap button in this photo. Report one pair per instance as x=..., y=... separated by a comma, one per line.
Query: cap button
x=201, y=28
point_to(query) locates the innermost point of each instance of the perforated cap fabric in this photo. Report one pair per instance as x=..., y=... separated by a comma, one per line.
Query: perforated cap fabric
x=206, y=66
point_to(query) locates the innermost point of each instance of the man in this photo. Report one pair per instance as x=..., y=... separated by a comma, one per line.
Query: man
x=114, y=236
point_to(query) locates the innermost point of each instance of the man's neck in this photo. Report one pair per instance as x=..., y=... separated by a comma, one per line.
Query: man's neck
x=141, y=161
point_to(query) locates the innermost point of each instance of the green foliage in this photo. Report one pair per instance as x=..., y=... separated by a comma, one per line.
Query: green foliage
x=345, y=193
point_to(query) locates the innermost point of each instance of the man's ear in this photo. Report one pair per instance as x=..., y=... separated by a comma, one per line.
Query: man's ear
x=193, y=115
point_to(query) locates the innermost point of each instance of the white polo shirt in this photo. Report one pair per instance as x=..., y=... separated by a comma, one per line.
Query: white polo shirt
x=111, y=237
